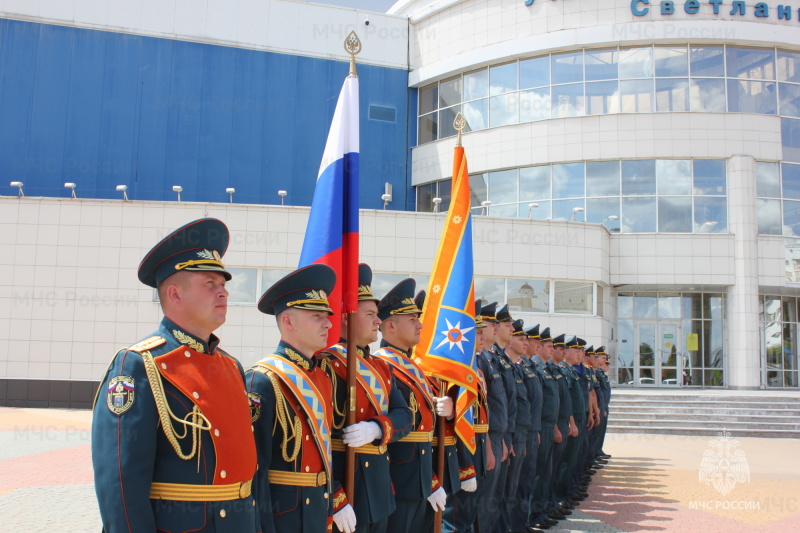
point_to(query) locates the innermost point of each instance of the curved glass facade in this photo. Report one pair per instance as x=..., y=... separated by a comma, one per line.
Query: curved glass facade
x=646, y=195
x=647, y=79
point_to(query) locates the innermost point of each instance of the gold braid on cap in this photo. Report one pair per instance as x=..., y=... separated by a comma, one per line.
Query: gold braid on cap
x=194, y=420
x=195, y=262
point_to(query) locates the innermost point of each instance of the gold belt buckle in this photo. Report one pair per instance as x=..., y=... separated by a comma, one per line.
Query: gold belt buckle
x=245, y=489
x=321, y=479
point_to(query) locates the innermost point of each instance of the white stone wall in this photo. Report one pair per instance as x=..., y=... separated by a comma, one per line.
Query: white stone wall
x=286, y=26
x=69, y=295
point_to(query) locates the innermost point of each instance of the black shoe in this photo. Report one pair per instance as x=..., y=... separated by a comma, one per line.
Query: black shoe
x=566, y=504
x=604, y=455
x=556, y=515
x=549, y=521
x=540, y=527
x=563, y=510
x=532, y=529
x=600, y=460
x=582, y=495
x=591, y=471
x=586, y=479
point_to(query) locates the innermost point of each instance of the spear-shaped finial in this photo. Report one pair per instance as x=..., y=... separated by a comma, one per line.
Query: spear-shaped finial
x=459, y=123
x=352, y=45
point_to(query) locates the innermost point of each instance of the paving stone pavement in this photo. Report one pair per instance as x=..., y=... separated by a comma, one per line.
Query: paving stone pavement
x=652, y=483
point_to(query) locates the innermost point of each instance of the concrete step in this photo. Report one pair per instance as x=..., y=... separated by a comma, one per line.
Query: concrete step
x=771, y=404
x=698, y=417
x=793, y=425
x=701, y=431
x=716, y=411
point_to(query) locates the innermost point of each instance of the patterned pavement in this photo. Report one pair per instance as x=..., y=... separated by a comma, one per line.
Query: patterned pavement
x=653, y=482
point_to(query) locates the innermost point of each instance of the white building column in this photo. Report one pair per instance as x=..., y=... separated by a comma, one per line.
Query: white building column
x=743, y=349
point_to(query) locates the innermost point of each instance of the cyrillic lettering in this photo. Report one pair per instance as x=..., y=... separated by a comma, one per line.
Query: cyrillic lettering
x=738, y=6
x=785, y=12
x=762, y=9
x=691, y=6
x=667, y=7
x=715, y=4
x=636, y=10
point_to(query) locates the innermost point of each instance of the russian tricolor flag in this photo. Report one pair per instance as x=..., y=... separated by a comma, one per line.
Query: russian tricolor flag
x=332, y=233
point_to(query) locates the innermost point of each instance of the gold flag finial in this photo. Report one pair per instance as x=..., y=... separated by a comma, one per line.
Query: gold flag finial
x=459, y=123
x=352, y=45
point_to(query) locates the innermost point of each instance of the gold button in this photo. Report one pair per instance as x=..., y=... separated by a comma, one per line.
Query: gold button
x=308, y=468
x=164, y=366
x=421, y=427
x=308, y=501
x=423, y=452
x=187, y=353
x=254, y=503
x=449, y=454
x=223, y=474
x=216, y=432
x=361, y=410
x=252, y=428
x=196, y=395
x=306, y=437
x=222, y=513
x=336, y=365
x=325, y=495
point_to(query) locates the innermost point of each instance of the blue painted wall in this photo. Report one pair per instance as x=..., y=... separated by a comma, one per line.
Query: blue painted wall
x=102, y=109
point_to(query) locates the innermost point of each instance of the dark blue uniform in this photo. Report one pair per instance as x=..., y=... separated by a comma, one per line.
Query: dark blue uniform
x=518, y=517
x=544, y=459
x=570, y=460
x=564, y=414
x=510, y=389
x=498, y=426
x=146, y=460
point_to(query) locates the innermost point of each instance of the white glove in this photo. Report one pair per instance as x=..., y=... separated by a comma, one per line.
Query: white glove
x=361, y=434
x=444, y=407
x=438, y=499
x=345, y=519
x=470, y=485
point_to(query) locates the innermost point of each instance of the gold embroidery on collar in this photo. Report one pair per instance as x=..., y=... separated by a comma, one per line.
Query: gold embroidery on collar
x=183, y=338
x=297, y=359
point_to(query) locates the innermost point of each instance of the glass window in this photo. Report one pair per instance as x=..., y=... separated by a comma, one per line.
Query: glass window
x=768, y=181
x=789, y=104
x=443, y=190
x=601, y=65
x=534, y=105
x=428, y=99
x=672, y=95
x=669, y=305
x=598, y=209
x=789, y=309
x=567, y=100
x=450, y=92
x=692, y=305
x=710, y=215
x=507, y=210
x=427, y=128
x=270, y=276
x=769, y=216
x=636, y=96
x=534, y=183
x=636, y=63
x=539, y=213
x=602, y=178
x=645, y=306
x=712, y=344
x=425, y=194
x=625, y=308
x=790, y=175
x=638, y=214
x=490, y=290
x=707, y=95
x=477, y=114
x=476, y=84
x=446, y=119
x=709, y=176
x=567, y=68
x=534, y=72
x=528, y=295
x=745, y=96
x=242, y=286
x=788, y=66
x=671, y=62
x=792, y=254
x=625, y=346
x=503, y=110
x=751, y=63
x=602, y=97
x=503, y=78
x=674, y=176
x=563, y=210
x=707, y=61
x=478, y=185
x=639, y=177
x=503, y=187
x=772, y=309
x=675, y=214
x=383, y=283
x=791, y=218
x=712, y=306
x=568, y=180
x=573, y=297
x=790, y=138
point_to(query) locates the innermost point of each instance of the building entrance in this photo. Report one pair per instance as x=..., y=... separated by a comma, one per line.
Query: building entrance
x=659, y=357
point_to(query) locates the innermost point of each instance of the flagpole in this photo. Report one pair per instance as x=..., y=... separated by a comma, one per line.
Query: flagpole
x=352, y=45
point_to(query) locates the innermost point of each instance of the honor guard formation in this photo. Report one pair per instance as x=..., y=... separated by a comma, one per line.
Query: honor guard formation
x=184, y=439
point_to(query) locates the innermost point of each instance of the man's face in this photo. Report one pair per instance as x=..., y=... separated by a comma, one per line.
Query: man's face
x=547, y=350
x=518, y=344
x=365, y=323
x=558, y=353
x=479, y=339
x=588, y=360
x=489, y=334
x=504, y=331
x=200, y=299
x=307, y=330
x=406, y=330
x=533, y=347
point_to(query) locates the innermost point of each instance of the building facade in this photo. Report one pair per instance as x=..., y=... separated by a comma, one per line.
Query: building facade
x=634, y=168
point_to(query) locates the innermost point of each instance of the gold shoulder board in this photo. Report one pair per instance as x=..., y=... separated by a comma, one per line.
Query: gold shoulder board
x=148, y=344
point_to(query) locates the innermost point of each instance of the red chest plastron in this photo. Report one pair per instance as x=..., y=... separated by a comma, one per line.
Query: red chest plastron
x=215, y=385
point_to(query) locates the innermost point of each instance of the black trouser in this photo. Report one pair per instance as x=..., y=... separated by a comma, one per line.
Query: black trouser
x=544, y=472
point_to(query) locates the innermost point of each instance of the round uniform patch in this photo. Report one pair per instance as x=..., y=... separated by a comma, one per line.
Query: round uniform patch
x=119, y=397
x=255, y=405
